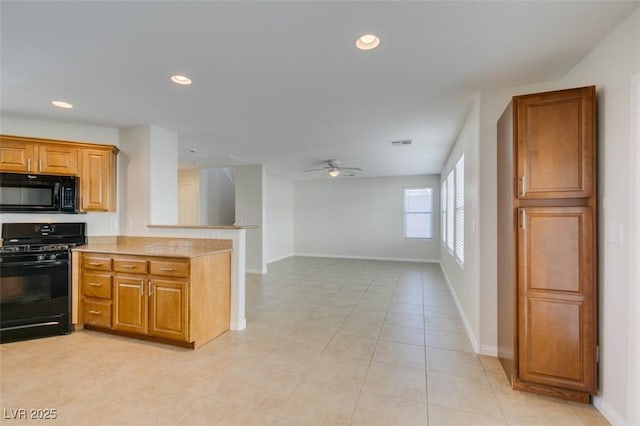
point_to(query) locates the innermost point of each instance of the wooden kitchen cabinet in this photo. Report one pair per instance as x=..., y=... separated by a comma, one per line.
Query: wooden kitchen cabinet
x=168, y=308
x=555, y=134
x=17, y=156
x=130, y=304
x=30, y=155
x=97, y=179
x=95, y=164
x=96, y=291
x=57, y=159
x=185, y=301
x=547, y=299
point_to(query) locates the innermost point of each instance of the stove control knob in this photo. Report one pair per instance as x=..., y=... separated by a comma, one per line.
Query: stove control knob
x=52, y=256
x=41, y=257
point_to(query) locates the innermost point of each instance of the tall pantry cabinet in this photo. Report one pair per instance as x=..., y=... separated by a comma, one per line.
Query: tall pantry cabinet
x=547, y=325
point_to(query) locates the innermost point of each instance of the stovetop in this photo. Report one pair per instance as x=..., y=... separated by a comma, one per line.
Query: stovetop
x=41, y=237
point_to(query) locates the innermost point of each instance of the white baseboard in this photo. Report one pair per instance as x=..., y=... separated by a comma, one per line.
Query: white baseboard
x=240, y=325
x=489, y=350
x=465, y=321
x=280, y=258
x=609, y=413
x=256, y=271
x=392, y=259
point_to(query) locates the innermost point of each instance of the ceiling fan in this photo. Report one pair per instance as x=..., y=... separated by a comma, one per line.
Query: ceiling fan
x=334, y=169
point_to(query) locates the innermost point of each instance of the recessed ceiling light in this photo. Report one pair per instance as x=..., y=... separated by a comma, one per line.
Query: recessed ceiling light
x=367, y=42
x=181, y=79
x=62, y=104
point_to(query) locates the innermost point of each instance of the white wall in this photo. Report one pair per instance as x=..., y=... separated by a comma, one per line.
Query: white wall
x=360, y=218
x=464, y=280
x=150, y=175
x=610, y=66
x=134, y=162
x=97, y=223
x=250, y=210
x=163, y=176
x=217, y=198
x=279, y=223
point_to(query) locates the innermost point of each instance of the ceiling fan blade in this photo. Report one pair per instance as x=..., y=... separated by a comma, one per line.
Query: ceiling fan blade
x=355, y=169
x=317, y=170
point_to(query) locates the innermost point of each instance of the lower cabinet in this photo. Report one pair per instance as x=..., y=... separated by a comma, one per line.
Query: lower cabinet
x=130, y=305
x=181, y=300
x=168, y=309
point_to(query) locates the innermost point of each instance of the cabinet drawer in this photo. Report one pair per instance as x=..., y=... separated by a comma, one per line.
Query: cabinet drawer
x=97, y=263
x=97, y=313
x=133, y=266
x=169, y=269
x=96, y=285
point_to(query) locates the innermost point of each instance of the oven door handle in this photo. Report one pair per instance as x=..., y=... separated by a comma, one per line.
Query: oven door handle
x=37, y=264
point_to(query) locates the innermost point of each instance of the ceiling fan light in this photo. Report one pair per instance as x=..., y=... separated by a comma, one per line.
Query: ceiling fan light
x=334, y=173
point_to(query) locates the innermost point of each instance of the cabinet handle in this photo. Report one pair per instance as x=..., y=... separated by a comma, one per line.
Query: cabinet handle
x=150, y=288
x=92, y=312
x=167, y=269
x=39, y=165
x=29, y=164
x=141, y=288
x=95, y=264
x=95, y=284
x=128, y=266
x=523, y=220
x=523, y=190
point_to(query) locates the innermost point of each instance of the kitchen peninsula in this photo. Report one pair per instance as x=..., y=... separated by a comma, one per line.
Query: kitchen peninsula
x=169, y=289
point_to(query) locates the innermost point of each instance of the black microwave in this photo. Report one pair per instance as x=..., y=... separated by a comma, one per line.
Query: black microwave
x=27, y=193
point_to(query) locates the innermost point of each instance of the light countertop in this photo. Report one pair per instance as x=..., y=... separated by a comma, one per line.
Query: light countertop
x=156, y=246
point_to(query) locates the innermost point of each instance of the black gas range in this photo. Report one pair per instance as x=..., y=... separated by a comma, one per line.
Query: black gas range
x=35, y=278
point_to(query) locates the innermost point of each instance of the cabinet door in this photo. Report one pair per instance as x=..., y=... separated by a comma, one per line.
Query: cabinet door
x=168, y=309
x=57, y=159
x=16, y=156
x=556, y=297
x=130, y=304
x=97, y=180
x=555, y=144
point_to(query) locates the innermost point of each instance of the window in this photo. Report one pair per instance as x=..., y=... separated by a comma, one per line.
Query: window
x=452, y=200
x=443, y=212
x=450, y=209
x=418, y=207
x=459, y=245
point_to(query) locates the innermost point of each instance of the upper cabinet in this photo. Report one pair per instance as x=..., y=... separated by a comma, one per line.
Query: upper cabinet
x=555, y=134
x=17, y=156
x=57, y=159
x=98, y=187
x=95, y=164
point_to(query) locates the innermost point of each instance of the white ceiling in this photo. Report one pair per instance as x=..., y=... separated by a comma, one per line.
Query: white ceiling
x=281, y=83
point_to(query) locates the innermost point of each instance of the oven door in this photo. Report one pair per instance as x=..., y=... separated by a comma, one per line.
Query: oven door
x=35, y=299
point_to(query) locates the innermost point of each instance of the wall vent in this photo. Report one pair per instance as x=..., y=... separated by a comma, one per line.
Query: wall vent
x=403, y=142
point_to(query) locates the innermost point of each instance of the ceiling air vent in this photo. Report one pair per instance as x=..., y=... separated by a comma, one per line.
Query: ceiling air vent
x=403, y=142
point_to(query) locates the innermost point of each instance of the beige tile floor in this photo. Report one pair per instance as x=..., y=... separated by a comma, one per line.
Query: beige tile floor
x=328, y=342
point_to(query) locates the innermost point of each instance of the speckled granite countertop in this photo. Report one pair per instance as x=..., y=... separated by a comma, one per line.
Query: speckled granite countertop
x=156, y=246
